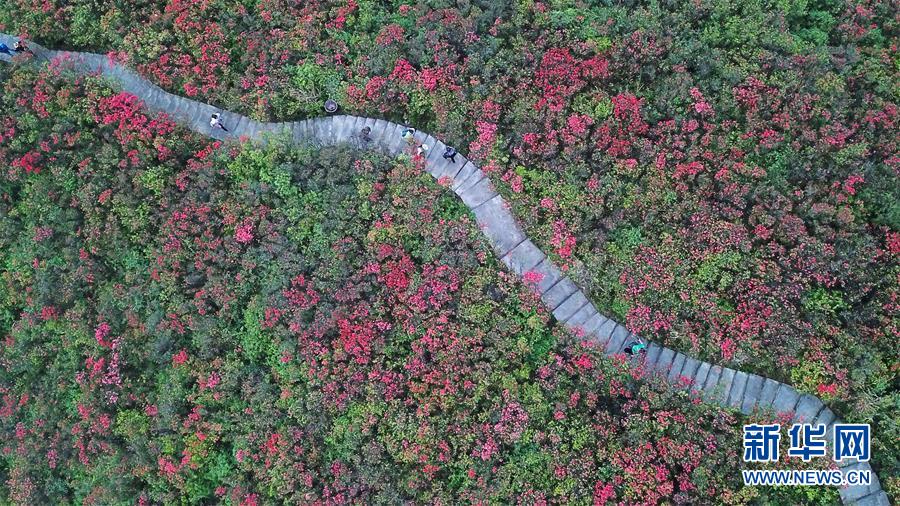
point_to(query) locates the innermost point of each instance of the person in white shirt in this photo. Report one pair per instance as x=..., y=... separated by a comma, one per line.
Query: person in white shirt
x=215, y=122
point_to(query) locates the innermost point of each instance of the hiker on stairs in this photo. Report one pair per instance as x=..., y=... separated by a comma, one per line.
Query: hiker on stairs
x=408, y=134
x=216, y=122
x=365, y=135
x=635, y=348
x=450, y=154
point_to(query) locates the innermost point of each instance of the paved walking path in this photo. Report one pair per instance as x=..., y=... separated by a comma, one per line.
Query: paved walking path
x=722, y=385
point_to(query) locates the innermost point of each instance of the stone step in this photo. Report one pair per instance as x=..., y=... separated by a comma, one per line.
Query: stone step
x=561, y=291
x=675, y=369
x=581, y=317
x=752, y=393
x=605, y=332
x=589, y=327
x=699, y=377
x=477, y=194
x=523, y=258
x=570, y=306
x=548, y=273
x=663, y=362
x=691, y=365
x=499, y=226
x=736, y=394
x=620, y=336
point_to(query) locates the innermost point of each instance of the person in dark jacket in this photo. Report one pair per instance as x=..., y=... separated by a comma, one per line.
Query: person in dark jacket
x=450, y=154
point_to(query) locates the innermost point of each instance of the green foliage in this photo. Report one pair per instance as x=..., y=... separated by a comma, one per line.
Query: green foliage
x=154, y=179
x=131, y=425
x=807, y=376
x=86, y=32
x=311, y=85
x=821, y=300
x=717, y=271
x=254, y=342
x=599, y=110
x=350, y=432
x=623, y=241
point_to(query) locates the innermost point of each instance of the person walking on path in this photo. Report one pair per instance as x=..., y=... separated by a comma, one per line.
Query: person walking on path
x=409, y=136
x=635, y=348
x=364, y=135
x=6, y=50
x=215, y=122
x=20, y=47
x=422, y=150
x=450, y=154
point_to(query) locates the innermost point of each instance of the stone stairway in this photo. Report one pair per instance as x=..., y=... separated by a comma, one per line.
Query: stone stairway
x=570, y=306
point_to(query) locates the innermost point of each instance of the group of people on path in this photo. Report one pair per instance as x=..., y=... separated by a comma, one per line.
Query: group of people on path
x=632, y=348
x=18, y=48
x=408, y=134
x=635, y=348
